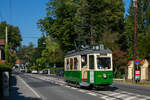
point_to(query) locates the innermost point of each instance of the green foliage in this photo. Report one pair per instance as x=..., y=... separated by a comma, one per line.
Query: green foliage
x=90, y=21
x=33, y=68
x=143, y=33
x=27, y=54
x=10, y=57
x=41, y=62
x=6, y=53
x=14, y=37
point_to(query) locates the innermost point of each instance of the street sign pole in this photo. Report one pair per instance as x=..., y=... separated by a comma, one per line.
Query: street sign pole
x=135, y=36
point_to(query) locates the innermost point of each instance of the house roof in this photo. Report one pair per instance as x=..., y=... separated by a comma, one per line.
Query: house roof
x=18, y=62
x=2, y=61
x=2, y=42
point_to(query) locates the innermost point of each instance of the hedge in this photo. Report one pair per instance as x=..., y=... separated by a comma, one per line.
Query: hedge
x=4, y=67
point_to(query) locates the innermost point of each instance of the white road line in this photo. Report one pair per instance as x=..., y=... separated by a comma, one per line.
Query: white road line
x=131, y=98
x=67, y=86
x=93, y=94
x=29, y=87
x=113, y=94
x=73, y=88
x=121, y=95
x=105, y=97
x=82, y=91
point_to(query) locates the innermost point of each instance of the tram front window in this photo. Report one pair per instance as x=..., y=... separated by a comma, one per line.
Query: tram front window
x=103, y=63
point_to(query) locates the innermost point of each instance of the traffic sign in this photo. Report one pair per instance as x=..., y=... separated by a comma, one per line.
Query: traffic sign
x=54, y=66
x=137, y=72
x=137, y=62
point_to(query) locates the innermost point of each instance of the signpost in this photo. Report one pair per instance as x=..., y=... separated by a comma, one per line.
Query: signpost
x=137, y=62
x=137, y=72
x=54, y=68
x=137, y=75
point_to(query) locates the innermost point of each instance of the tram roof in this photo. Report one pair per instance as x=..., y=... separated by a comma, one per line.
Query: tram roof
x=87, y=51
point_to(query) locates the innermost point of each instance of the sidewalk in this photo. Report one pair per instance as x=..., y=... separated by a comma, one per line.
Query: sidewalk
x=20, y=90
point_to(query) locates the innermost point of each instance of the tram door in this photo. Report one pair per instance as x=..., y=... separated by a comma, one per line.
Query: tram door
x=91, y=68
x=84, y=67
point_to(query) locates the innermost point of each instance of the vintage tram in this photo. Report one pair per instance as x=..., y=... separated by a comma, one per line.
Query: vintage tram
x=90, y=66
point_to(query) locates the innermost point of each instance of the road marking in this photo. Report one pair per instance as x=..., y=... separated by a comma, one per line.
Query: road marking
x=73, y=88
x=113, y=94
x=81, y=91
x=130, y=98
x=29, y=87
x=118, y=95
x=67, y=86
x=121, y=95
x=93, y=94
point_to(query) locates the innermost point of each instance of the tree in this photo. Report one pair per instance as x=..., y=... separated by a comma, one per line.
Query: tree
x=6, y=54
x=59, y=22
x=26, y=54
x=143, y=32
x=53, y=53
x=14, y=37
x=119, y=59
x=87, y=20
x=98, y=19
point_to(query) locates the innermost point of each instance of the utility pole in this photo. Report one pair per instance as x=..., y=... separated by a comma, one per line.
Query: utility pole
x=135, y=5
x=6, y=37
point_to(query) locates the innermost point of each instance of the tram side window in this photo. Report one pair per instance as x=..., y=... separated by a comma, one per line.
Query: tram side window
x=75, y=63
x=91, y=62
x=84, y=61
x=103, y=63
x=68, y=65
x=71, y=64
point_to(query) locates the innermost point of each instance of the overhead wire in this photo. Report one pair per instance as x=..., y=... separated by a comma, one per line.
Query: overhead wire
x=10, y=11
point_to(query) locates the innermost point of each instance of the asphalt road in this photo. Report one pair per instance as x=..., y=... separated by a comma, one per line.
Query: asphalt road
x=54, y=88
x=138, y=89
x=52, y=91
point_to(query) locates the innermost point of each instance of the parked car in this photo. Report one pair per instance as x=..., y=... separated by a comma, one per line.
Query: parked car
x=28, y=71
x=22, y=70
x=34, y=71
x=43, y=72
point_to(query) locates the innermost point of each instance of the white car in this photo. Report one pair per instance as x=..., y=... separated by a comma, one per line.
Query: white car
x=34, y=71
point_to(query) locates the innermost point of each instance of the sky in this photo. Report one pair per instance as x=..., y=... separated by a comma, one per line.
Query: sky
x=25, y=14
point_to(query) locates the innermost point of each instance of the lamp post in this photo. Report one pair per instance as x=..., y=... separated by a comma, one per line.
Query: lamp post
x=135, y=5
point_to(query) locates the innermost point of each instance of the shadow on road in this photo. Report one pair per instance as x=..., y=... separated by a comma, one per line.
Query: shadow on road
x=109, y=88
x=15, y=94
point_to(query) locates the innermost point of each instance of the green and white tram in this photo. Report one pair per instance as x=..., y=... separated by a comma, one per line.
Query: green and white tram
x=89, y=67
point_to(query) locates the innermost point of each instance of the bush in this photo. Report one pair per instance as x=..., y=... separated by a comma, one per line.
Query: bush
x=33, y=67
x=4, y=67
